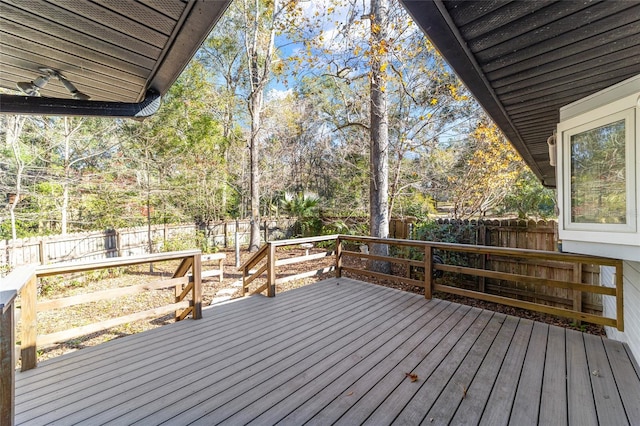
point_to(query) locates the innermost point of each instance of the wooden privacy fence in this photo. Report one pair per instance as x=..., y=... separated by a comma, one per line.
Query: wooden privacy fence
x=129, y=241
x=512, y=233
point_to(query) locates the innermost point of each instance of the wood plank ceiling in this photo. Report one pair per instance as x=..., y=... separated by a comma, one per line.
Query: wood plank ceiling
x=523, y=60
x=110, y=50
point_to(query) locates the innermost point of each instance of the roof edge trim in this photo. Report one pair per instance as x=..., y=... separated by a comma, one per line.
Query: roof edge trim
x=29, y=105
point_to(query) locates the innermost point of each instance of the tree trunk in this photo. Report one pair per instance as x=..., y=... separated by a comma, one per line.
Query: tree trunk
x=379, y=134
x=14, y=130
x=254, y=157
x=259, y=72
x=65, y=183
x=65, y=206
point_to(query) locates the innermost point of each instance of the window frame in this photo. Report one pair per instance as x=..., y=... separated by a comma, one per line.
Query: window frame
x=584, y=123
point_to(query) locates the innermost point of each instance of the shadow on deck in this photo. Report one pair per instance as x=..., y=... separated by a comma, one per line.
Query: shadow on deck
x=339, y=351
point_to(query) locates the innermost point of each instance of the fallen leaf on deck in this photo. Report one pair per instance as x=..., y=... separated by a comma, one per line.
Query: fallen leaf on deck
x=413, y=377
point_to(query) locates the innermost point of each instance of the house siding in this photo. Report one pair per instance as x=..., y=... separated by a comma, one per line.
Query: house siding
x=631, y=290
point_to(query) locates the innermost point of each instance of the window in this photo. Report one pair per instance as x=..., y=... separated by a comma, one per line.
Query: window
x=599, y=182
x=598, y=189
x=598, y=173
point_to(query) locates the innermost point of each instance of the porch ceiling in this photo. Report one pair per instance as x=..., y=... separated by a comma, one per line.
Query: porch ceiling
x=113, y=51
x=523, y=60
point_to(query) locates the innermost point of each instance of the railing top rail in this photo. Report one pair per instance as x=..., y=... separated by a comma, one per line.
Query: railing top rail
x=6, y=299
x=479, y=249
x=70, y=267
x=304, y=240
x=11, y=285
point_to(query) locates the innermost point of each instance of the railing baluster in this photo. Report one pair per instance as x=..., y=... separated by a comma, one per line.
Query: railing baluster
x=7, y=362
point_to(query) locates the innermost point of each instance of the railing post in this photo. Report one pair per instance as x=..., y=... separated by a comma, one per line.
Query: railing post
x=271, y=270
x=481, y=239
x=577, y=294
x=29, y=327
x=338, y=258
x=428, y=272
x=7, y=364
x=619, y=296
x=196, y=293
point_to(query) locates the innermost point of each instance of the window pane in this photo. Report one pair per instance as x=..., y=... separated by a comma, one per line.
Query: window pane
x=598, y=190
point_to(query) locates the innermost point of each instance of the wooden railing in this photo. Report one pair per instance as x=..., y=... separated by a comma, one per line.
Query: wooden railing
x=264, y=264
x=265, y=261
x=430, y=284
x=23, y=282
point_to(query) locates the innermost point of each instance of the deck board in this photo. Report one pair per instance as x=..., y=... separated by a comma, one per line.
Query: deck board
x=500, y=400
x=337, y=352
x=605, y=392
x=161, y=358
x=457, y=388
x=236, y=364
x=337, y=379
x=524, y=412
x=470, y=409
x=582, y=409
x=553, y=403
x=625, y=375
x=367, y=403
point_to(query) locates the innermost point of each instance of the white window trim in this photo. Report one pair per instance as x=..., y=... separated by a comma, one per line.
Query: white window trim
x=586, y=122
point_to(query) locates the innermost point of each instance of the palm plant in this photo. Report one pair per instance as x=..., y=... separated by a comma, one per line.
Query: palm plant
x=304, y=207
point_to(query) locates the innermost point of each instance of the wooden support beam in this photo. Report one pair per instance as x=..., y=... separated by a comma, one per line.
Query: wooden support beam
x=338, y=257
x=29, y=328
x=186, y=290
x=596, y=319
x=7, y=364
x=260, y=289
x=271, y=271
x=113, y=293
x=383, y=276
x=72, y=333
x=428, y=272
x=184, y=267
x=197, y=286
x=619, y=296
x=251, y=278
x=577, y=294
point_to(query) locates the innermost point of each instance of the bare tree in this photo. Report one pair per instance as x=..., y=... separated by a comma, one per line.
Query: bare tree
x=14, y=128
x=379, y=131
x=259, y=46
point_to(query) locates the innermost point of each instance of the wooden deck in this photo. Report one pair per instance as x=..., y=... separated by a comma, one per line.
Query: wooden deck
x=338, y=352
